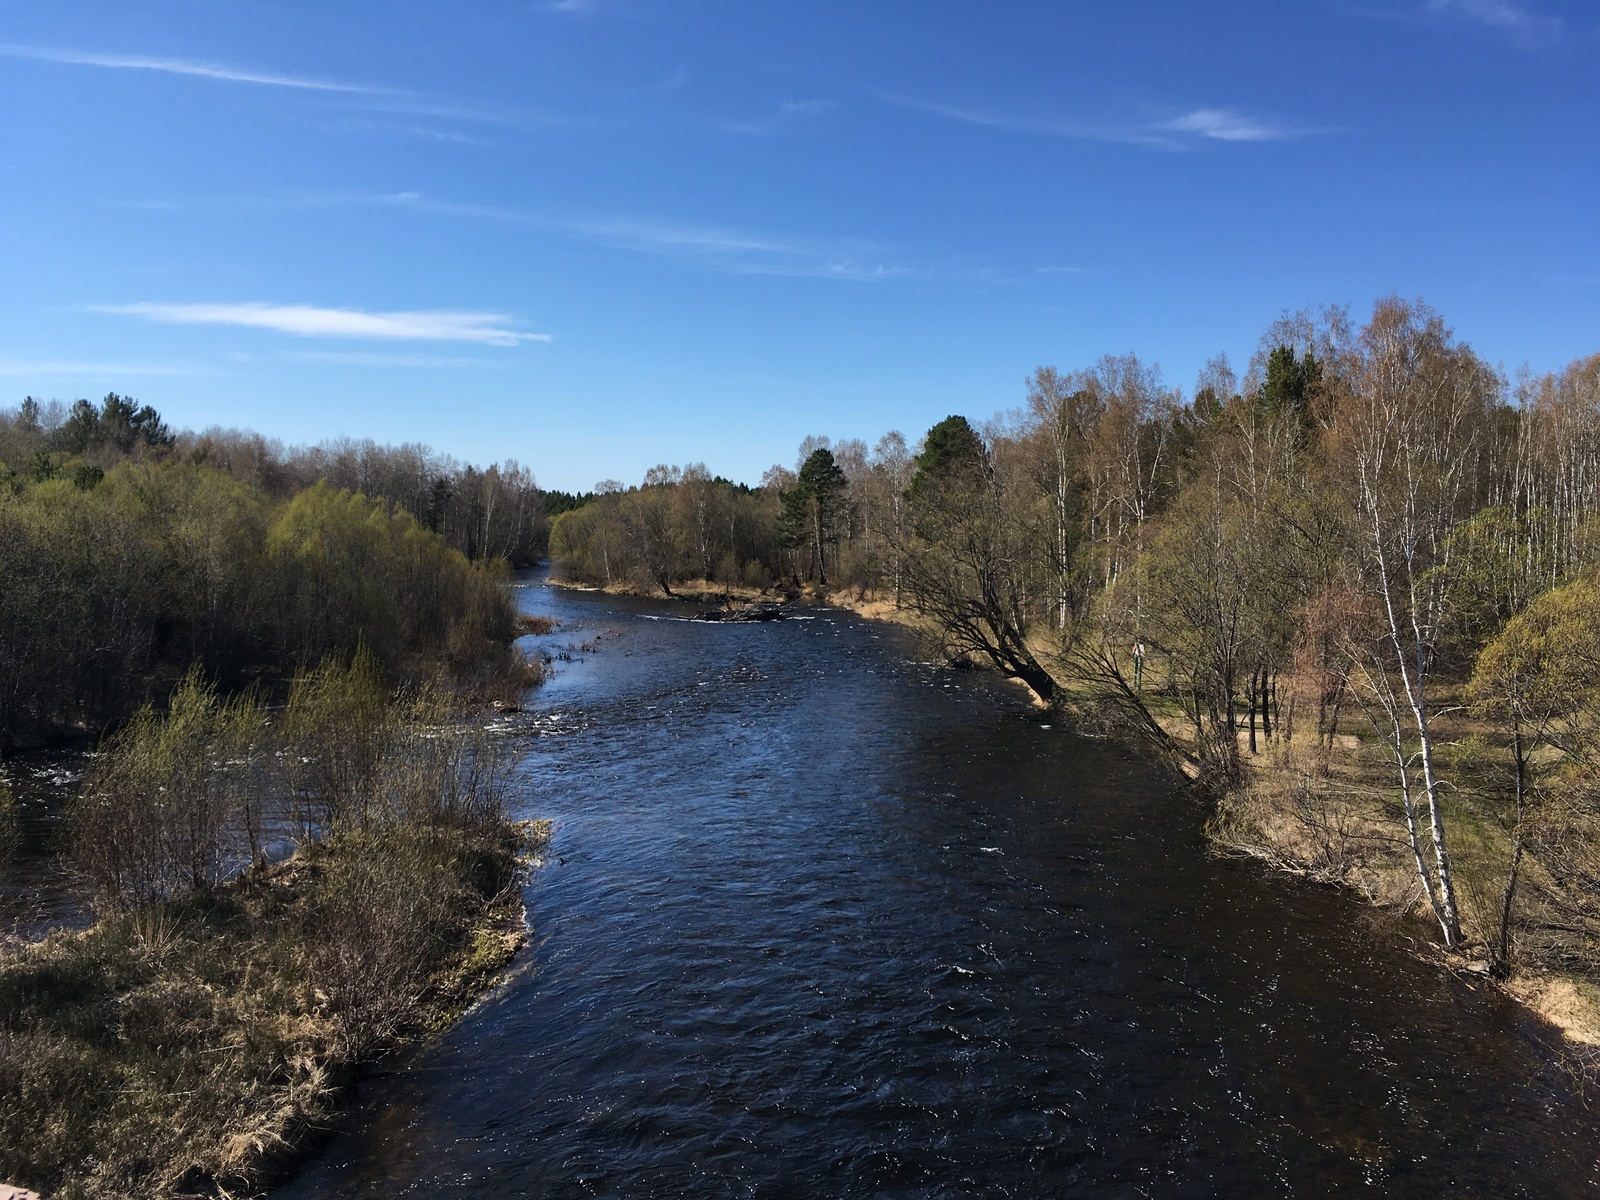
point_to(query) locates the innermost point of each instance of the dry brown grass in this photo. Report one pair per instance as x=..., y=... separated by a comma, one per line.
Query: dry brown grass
x=198, y=1048
x=204, y=1031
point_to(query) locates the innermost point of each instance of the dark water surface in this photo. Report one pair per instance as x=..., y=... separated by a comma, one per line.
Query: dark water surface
x=822, y=921
x=38, y=889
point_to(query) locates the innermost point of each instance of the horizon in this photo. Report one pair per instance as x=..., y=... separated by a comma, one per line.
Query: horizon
x=595, y=236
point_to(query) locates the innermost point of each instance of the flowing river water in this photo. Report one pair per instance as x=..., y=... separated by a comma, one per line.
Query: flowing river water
x=821, y=920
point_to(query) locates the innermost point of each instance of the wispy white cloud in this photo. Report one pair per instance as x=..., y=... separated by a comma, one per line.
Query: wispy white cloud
x=1218, y=124
x=735, y=251
x=181, y=66
x=381, y=99
x=722, y=248
x=1526, y=28
x=50, y=367
x=788, y=114
x=741, y=252
x=359, y=358
x=412, y=105
x=1133, y=135
x=1225, y=125
x=1061, y=270
x=304, y=320
x=844, y=269
x=441, y=135
x=669, y=237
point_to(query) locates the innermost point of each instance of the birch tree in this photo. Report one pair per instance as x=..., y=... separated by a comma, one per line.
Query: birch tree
x=1410, y=425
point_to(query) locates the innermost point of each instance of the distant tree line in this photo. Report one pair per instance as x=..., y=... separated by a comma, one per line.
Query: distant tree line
x=493, y=512
x=683, y=524
x=129, y=552
x=679, y=524
x=1372, y=521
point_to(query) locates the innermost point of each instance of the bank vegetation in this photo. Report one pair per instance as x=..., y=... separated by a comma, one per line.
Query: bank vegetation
x=205, y=1031
x=294, y=833
x=1353, y=594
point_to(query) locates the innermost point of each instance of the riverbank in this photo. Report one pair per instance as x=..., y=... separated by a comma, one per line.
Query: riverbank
x=1330, y=812
x=205, y=1045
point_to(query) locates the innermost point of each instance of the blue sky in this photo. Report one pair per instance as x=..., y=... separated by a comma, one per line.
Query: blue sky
x=594, y=235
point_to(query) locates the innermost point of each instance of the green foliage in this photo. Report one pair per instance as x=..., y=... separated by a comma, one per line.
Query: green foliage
x=974, y=554
x=815, y=512
x=678, y=526
x=43, y=467
x=1290, y=382
x=86, y=476
x=110, y=592
x=1545, y=664
x=119, y=426
x=952, y=455
x=556, y=503
x=338, y=730
x=1487, y=578
x=150, y=822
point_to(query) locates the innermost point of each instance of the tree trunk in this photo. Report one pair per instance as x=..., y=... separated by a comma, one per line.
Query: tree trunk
x=1508, y=897
x=1250, y=702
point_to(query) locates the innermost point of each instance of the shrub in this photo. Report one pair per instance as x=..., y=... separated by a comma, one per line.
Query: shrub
x=151, y=819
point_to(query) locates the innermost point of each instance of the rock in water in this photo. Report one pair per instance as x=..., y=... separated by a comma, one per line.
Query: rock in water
x=766, y=610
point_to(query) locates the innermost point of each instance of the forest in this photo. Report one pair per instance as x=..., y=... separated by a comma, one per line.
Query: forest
x=1354, y=594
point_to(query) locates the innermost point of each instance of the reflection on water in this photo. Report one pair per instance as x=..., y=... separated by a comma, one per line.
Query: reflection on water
x=819, y=920
x=38, y=891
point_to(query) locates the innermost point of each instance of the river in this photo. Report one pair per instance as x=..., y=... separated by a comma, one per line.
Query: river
x=821, y=920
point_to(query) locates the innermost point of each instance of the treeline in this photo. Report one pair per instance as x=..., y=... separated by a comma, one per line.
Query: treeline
x=683, y=524
x=129, y=553
x=493, y=512
x=680, y=524
x=1373, y=522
